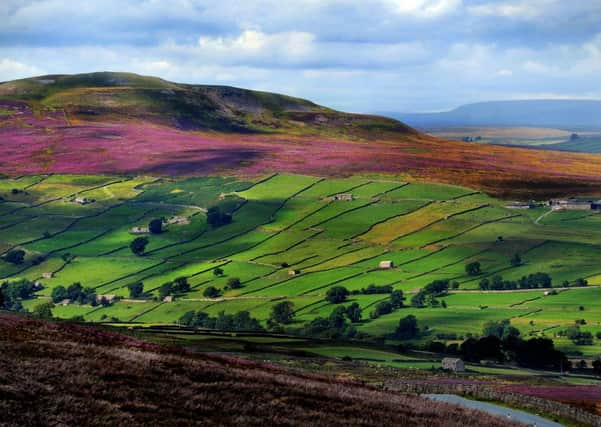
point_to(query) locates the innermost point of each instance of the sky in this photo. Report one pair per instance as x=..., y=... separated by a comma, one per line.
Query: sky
x=353, y=55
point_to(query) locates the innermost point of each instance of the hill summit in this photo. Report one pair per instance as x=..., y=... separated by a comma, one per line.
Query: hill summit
x=111, y=95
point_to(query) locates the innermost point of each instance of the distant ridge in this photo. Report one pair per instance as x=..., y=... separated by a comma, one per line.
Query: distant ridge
x=565, y=114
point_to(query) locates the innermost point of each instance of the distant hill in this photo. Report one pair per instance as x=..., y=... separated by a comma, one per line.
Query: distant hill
x=564, y=114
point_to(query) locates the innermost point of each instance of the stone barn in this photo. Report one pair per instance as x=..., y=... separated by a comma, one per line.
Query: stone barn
x=385, y=265
x=453, y=364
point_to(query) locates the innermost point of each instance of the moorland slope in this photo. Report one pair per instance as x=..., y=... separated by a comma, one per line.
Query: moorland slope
x=125, y=123
x=65, y=374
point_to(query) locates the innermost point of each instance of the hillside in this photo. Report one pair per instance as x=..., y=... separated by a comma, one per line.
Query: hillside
x=564, y=114
x=129, y=124
x=65, y=374
x=287, y=224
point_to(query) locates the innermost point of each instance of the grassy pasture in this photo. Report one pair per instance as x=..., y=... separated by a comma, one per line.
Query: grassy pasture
x=286, y=222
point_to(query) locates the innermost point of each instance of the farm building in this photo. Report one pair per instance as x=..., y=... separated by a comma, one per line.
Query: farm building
x=178, y=220
x=520, y=205
x=83, y=200
x=37, y=286
x=342, y=197
x=453, y=364
x=139, y=230
x=108, y=298
x=168, y=298
x=48, y=275
x=294, y=272
x=571, y=204
x=386, y=265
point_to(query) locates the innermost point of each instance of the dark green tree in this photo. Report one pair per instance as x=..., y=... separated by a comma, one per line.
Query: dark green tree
x=217, y=271
x=136, y=290
x=407, y=328
x=515, y=260
x=473, y=268
x=353, y=312
x=282, y=312
x=138, y=245
x=58, y=294
x=43, y=310
x=155, y=226
x=211, y=292
x=234, y=283
x=396, y=299
x=15, y=256
x=165, y=290
x=337, y=294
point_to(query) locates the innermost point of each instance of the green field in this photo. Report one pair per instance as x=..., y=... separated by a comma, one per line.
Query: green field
x=285, y=222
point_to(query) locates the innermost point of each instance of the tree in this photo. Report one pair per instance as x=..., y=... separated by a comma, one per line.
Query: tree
x=234, y=283
x=58, y=294
x=282, y=312
x=211, y=292
x=473, y=268
x=501, y=329
x=181, y=285
x=383, y=307
x=353, y=312
x=396, y=299
x=15, y=256
x=515, y=260
x=443, y=304
x=216, y=217
x=455, y=285
x=43, y=310
x=597, y=366
x=407, y=328
x=138, y=245
x=155, y=226
x=136, y=290
x=165, y=290
x=217, y=271
x=418, y=300
x=337, y=294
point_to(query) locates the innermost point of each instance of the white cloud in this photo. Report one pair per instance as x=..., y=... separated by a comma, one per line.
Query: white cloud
x=11, y=69
x=424, y=8
x=292, y=45
x=513, y=9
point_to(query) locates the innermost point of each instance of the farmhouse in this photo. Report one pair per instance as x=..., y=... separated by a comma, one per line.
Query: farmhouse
x=453, y=364
x=294, y=272
x=139, y=230
x=168, y=298
x=386, y=265
x=571, y=204
x=48, y=275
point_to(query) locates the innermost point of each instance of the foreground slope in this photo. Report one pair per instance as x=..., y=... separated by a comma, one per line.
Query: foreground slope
x=124, y=123
x=72, y=375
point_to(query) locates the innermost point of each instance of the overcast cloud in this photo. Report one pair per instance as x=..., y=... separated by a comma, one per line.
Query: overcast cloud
x=356, y=55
